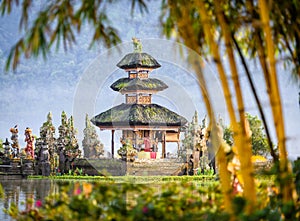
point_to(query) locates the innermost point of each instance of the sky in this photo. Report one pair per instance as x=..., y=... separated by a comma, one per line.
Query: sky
x=78, y=81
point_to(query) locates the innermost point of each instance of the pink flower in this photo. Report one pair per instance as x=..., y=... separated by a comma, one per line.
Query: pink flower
x=38, y=203
x=77, y=191
x=145, y=209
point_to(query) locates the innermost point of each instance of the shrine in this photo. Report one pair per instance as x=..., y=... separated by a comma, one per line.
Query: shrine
x=144, y=124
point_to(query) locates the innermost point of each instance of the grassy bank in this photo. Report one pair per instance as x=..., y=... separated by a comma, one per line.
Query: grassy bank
x=133, y=179
x=148, y=179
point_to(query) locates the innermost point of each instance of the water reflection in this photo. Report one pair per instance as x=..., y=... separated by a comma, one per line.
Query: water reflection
x=19, y=191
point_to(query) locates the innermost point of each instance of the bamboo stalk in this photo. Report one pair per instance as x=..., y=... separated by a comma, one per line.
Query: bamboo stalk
x=260, y=47
x=189, y=38
x=273, y=154
x=216, y=56
x=225, y=177
x=185, y=25
x=286, y=183
x=244, y=149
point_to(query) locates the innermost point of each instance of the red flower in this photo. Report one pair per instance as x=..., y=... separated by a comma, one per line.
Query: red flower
x=38, y=203
x=77, y=191
x=145, y=209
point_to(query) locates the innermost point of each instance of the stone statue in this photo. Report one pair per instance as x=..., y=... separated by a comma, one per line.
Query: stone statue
x=137, y=45
x=29, y=139
x=15, y=142
x=62, y=160
x=44, y=160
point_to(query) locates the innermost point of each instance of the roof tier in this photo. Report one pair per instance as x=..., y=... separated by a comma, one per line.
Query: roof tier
x=136, y=84
x=138, y=115
x=138, y=60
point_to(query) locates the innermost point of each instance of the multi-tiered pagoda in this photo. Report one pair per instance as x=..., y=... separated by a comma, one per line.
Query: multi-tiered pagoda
x=143, y=123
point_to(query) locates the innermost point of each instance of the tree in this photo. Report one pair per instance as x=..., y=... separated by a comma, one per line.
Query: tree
x=59, y=21
x=66, y=144
x=1, y=146
x=259, y=140
x=67, y=137
x=92, y=146
x=228, y=135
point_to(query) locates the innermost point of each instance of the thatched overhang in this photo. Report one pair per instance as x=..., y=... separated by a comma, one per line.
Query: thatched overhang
x=136, y=84
x=138, y=60
x=138, y=115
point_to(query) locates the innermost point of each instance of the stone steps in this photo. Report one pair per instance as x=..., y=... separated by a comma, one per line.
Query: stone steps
x=153, y=167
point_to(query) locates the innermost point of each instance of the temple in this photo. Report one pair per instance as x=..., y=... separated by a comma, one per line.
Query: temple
x=144, y=124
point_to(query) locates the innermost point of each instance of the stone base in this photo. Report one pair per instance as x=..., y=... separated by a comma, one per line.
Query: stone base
x=140, y=167
x=113, y=167
x=17, y=168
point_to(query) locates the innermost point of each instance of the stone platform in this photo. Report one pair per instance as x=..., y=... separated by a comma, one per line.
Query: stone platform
x=96, y=167
x=117, y=167
x=16, y=168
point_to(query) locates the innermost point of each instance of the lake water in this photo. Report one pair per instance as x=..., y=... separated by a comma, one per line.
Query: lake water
x=18, y=191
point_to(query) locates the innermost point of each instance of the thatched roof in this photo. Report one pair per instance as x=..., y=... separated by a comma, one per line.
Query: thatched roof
x=138, y=115
x=138, y=60
x=127, y=84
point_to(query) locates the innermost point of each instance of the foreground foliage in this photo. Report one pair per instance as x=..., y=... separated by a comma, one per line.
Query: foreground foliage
x=168, y=201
